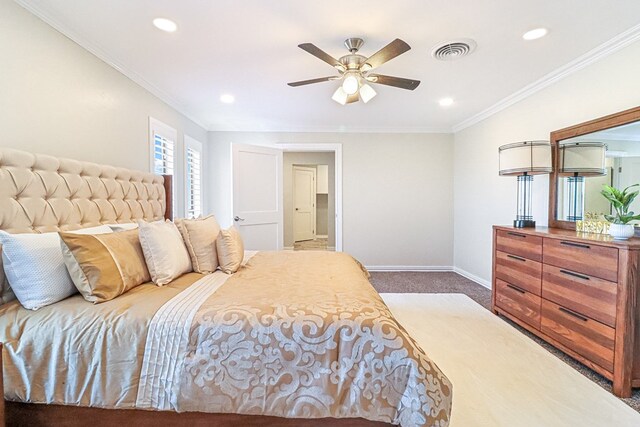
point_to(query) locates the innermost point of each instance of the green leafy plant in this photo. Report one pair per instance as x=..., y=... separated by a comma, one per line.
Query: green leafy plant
x=621, y=200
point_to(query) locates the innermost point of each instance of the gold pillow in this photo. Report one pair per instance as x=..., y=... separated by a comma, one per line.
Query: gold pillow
x=230, y=250
x=103, y=266
x=199, y=237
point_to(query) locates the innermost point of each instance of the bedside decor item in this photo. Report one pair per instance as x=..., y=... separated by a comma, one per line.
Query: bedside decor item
x=620, y=228
x=593, y=223
x=577, y=161
x=525, y=159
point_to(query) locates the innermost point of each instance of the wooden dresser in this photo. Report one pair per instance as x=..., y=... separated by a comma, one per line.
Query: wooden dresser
x=577, y=291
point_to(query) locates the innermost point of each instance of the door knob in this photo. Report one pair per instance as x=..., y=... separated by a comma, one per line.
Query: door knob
x=296, y=208
x=237, y=218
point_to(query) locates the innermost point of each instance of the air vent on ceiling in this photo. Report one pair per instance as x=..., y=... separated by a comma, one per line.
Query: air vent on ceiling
x=454, y=49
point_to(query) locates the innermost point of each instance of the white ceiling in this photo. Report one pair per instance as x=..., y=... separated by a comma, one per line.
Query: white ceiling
x=249, y=49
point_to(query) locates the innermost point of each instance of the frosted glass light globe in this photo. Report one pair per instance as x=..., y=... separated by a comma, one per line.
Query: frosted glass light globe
x=350, y=84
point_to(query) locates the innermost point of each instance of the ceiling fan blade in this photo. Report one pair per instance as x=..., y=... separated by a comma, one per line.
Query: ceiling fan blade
x=353, y=98
x=393, y=81
x=312, y=81
x=387, y=53
x=322, y=55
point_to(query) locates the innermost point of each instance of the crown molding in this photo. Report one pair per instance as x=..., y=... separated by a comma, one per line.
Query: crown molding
x=105, y=57
x=613, y=45
x=332, y=129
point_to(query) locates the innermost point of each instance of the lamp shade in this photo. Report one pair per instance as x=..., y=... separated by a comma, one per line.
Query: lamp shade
x=582, y=158
x=525, y=158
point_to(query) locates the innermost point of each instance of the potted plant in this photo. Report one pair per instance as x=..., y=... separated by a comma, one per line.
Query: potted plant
x=620, y=228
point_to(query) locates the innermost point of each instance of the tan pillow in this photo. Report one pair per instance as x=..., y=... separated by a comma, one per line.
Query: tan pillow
x=103, y=266
x=230, y=250
x=199, y=237
x=164, y=250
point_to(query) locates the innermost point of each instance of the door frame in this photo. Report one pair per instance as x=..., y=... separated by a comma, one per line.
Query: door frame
x=324, y=148
x=313, y=206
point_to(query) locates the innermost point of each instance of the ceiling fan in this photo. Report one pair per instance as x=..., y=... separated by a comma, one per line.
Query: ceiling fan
x=355, y=70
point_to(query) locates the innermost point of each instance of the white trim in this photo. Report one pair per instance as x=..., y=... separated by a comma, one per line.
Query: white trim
x=416, y=268
x=472, y=277
x=194, y=144
x=322, y=236
x=105, y=57
x=611, y=46
x=325, y=148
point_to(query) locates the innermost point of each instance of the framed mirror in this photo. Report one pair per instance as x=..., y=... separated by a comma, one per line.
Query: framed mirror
x=612, y=143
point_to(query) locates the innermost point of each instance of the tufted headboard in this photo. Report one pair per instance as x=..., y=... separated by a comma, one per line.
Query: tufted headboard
x=40, y=193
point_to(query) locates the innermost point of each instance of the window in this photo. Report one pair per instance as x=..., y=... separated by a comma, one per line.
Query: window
x=163, y=145
x=193, y=177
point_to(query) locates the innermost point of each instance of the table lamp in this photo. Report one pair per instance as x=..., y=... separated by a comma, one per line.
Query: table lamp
x=525, y=159
x=579, y=160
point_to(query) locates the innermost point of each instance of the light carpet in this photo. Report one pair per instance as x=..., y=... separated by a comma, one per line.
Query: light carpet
x=500, y=377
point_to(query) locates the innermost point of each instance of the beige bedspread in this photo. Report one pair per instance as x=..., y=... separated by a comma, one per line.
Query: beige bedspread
x=292, y=334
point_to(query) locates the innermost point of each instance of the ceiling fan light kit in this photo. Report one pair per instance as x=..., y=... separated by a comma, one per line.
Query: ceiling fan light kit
x=354, y=70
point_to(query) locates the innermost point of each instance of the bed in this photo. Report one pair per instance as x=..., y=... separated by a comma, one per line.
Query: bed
x=292, y=338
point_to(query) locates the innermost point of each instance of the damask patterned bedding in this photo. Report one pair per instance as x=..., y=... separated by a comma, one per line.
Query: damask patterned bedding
x=292, y=334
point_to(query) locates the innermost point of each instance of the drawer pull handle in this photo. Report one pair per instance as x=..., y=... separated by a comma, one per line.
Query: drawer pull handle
x=576, y=245
x=573, y=313
x=517, y=258
x=510, y=233
x=517, y=289
x=571, y=273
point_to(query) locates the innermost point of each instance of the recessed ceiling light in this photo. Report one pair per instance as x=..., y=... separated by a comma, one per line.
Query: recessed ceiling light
x=227, y=98
x=535, y=34
x=446, y=102
x=165, y=25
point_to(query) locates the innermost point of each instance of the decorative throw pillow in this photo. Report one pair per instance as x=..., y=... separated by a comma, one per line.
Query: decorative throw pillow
x=199, y=237
x=104, y=266
x=230, y=250
x=167, y=257
x=35, y=268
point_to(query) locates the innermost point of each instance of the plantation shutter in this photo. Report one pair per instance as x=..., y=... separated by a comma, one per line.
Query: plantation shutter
x=193, y=181
x=163, y=155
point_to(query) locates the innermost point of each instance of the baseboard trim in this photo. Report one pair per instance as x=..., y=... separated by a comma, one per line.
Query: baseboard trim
x=322, y=236
x=287, y=248
x=417, y=268
x=472, y=277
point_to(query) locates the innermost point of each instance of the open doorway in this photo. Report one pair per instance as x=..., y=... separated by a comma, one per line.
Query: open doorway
x=309, y=200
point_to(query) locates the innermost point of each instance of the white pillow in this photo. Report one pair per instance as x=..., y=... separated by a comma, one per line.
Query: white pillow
x=35, y=268
x=164, y=251
x=123, y=227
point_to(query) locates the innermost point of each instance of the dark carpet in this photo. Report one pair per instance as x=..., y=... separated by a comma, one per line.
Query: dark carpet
x=452, y=283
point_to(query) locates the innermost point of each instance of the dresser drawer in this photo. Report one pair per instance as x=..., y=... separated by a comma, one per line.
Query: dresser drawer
x=519, y=271
x=515, y=243
x=587, y=295
x=585, y=336
x=518, y=302
x=594, y=260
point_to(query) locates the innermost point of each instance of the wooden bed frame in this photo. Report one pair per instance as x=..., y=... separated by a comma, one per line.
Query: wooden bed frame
x=34, y=415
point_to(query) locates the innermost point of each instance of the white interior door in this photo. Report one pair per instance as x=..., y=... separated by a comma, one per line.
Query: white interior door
x=257, y=196
x=629, y=174
x=304, y=203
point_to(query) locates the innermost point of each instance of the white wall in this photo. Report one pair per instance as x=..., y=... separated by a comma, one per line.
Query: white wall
x=397, y=192
x=309, y=158
x=482, y=198
x=57, y=98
